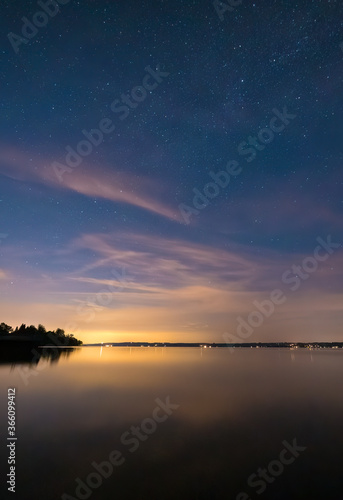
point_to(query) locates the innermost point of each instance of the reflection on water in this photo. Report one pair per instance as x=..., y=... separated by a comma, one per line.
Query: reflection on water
x=232, y=413
x=27, y=353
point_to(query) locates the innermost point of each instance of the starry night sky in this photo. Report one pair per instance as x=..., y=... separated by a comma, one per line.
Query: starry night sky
x=102, y=247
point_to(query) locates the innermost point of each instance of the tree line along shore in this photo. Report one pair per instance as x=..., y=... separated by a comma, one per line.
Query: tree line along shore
x=37, y=335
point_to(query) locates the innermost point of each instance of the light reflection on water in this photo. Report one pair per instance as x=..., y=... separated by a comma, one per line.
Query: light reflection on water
x=234, y=412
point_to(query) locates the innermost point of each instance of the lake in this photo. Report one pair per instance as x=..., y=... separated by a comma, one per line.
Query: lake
x=177, y=423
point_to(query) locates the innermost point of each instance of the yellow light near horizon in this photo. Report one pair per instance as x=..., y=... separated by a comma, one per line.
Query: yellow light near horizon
x=97, y=337
x=132, y=355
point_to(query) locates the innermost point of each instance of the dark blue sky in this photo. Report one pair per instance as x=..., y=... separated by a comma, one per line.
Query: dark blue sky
x=125, y=238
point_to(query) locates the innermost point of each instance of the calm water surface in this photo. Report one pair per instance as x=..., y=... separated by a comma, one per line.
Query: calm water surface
x=229, y=416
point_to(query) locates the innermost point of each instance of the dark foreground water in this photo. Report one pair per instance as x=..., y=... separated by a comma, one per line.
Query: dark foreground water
x=182, y=423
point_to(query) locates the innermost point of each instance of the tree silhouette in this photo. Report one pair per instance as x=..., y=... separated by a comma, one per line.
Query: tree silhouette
x=40, y=335
x=5, y=329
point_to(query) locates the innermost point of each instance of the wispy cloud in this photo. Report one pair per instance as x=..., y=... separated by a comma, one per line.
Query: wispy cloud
x=173, y=288
x=90, y=180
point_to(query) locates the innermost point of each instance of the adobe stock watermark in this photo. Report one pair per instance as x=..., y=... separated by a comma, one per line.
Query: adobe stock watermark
x=249, y=149
x=104, y=297
x=50, y=8
x=222, y=7
x=266, y=135
x=87, y=311
x=97, y=302
x=132, y=439
x=260, y=479
x=293, y=277
x=122, y=107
